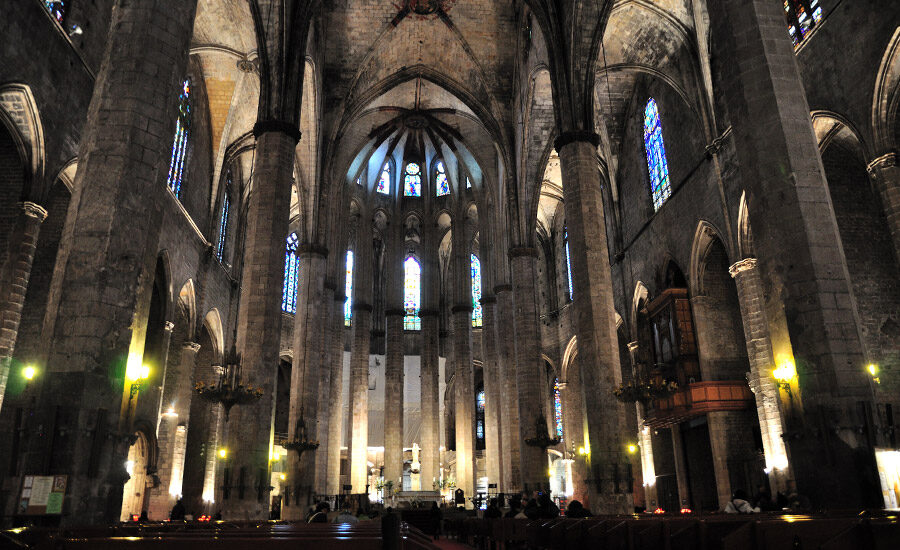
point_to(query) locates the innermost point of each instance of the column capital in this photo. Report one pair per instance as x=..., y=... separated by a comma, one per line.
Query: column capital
x=312, y=249
x=886, y=160
x=462, y=308
x=394, y=311
x=280, y=126
x=191, y=346
x=34, y=210
x=633, y=346
x=523, y=251
x=488, y=300
x=170, y=326
x=744, y=265
x=584, y=136
x=502, y=288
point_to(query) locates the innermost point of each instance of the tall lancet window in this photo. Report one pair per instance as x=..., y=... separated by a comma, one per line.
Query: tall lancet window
x=656, y=155
x=223, y=219
x=477, y=311
x=412, y=295
x=291, y=275
x=348, y=291
x=568, y=263
x=180, y=142
x=441, y=184
x=479, y=419
x=801, y=16
x=412, y=183
x=384, y=181
x=57, y=8
x=557, y=408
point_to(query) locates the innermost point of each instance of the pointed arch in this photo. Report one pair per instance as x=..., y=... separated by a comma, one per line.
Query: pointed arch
x=744, y=235
x=213, y=324
x=705, y=236
x=19, y=113
x=641, y=295
x=187, y=296
x=657, y=164
x=412, y=293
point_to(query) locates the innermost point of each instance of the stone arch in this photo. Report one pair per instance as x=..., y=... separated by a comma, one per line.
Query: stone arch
x=704, y=238
x=134, y=493
x=67, y=173
x=886, y=97
x=639, y=301
x=213, y=323
x=744, y=234
x=569, y=355
x=19, y=113
x=187, y=298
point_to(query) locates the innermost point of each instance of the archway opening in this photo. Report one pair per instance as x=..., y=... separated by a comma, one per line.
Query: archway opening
x=135, y=491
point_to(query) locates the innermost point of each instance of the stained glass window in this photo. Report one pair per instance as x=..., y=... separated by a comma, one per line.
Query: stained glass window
x=440, y=179
x=479, y=419
x=57, y=8
x=384, y=182
x=568, y=263
x=656, y=155
x=468, y=183
x=801, y=16
x=348, y=291
x=223, y=221
x=412, y=183
x=477, y=312
x=180, y=142
x=557, y=408
x=412, y=294
x=291, y=275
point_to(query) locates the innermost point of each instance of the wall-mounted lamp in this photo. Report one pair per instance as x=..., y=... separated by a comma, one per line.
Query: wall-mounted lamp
x=784, y=374
x=29, y=372
x=873, y=371
x=138, y=374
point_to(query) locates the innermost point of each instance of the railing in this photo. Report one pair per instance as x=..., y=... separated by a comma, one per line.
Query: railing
x=698, y=399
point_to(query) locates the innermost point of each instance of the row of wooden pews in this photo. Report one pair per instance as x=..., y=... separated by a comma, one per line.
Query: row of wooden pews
x=364, y=535
x=718, y=532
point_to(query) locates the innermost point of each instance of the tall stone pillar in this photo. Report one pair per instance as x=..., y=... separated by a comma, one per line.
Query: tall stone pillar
x=800, y=255
x=430, y=455
x=528, y=365
x=326, y=403
x=250, y=428
x=595, y=323
x=762, y=361
x=303, y=415
x=359, y=358
x=464, y=397
x=14, y=275
x=886, y=173
x=492, y=384
x=509, y=393
x=336, y=396
x=648, y=469
x=102, y=285
x=394, y=368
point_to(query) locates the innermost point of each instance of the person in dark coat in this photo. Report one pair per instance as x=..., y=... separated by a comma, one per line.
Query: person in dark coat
x=492, y=511
x=435, y=517
x=546, y=508
x=577, y=510
x=531, y=510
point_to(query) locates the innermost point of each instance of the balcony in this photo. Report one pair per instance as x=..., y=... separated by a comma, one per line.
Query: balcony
x=698, y=399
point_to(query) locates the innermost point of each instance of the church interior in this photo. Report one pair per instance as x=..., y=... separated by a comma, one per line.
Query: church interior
x=391, y=255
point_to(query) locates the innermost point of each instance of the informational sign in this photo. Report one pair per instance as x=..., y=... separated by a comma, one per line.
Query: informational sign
x=42, y=495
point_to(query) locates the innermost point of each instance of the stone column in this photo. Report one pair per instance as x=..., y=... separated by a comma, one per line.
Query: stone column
x=886, y=173
x=336, y=413
x=102, y=285
x=681, y=471
x=303, y=415
x=464, y=397
x=359, y=359
x=430, y=454
x=762, y=362
x=394, y=368
x=249, y=430
x=648, y=469
x=492, y=384
x=800, y=255
x=595, y=323
x=528, y=365
x=509, y=393
x=326, y=403
x=14, y=276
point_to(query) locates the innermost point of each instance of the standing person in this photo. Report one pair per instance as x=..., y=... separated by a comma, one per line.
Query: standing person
x=435, y=517
x=178, y=512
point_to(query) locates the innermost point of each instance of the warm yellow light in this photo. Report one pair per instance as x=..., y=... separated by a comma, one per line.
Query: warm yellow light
x=283, y=477
x=873, y=369
x=582, y=451
x=29, y=372
x=785, y=372
x=144, y=372
x=632, y=448
x=223, y=453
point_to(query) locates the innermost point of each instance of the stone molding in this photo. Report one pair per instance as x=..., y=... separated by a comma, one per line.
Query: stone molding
x=394, y=311
x=312, y=249
x=34, y=210
x=191, y=346
x=429, y=313
x=633, y=346
x=280, y=126
x=488, y=300
x=523, y=251
x=583, y=136
x=460, y=308
x=744, y=265
x=170, y=326
x=502, y=288
x=362, y=307
x=886, y=160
